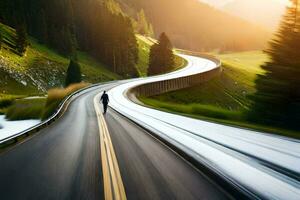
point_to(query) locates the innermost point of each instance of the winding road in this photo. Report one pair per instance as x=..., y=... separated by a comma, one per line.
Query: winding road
x=85, y=155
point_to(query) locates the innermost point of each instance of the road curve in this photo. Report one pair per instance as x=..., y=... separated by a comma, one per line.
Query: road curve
x=65, y=161
x=266, y=165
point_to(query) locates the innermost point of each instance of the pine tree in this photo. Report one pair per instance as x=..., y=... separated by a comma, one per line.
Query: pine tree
x=73, y=73
x=277, y=100
x=161, y=57
x=21, y=41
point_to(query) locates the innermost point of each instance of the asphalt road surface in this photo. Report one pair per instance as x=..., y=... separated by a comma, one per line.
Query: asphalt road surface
x=65, y=161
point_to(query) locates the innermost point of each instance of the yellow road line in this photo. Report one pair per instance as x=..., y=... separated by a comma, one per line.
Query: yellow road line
x=113, y=184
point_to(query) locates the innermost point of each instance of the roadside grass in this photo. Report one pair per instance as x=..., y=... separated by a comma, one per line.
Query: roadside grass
x=195, y=109
x=57, y=95
x=23, y=109
x=20, y=108
x=216, y=115
x=223, y=99
x=8, y=100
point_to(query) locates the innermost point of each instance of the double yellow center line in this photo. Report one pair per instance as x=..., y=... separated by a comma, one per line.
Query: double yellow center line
x=113, y=184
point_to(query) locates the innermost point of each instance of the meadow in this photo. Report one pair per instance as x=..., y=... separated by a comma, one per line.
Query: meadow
x=225, y=99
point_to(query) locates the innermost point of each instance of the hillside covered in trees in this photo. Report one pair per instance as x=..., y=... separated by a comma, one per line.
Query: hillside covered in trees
x=197, y=26
x=96, y=27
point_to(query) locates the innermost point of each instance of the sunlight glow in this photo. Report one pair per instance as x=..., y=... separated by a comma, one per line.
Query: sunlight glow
x=286, y=2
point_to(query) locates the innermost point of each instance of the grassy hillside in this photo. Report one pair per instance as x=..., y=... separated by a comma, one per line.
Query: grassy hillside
x=223, y=99
x=41, y=68
x=230, y=89
x=191, y=24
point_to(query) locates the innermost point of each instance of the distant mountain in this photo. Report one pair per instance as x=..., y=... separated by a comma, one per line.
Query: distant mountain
x=266, y=13
x=198, y=26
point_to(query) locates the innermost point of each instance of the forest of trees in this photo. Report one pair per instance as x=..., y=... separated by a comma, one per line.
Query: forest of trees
x=277, y=100
x=193, y=25
x=97, y=27
x=161, y=57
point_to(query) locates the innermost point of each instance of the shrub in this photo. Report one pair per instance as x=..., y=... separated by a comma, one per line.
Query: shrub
x=57, y=95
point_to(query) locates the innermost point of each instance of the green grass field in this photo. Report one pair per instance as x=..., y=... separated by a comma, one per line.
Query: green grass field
x=223, y=99
x=229, y=90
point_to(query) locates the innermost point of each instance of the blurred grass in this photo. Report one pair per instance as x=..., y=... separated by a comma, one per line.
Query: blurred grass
x=7, y=100
x=57, y=95
x=23, y=109
x=216, y=115
x=195, y=109
x=39, y=107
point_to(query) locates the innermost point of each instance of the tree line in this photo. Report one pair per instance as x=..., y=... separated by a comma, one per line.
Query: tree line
x=70, y=25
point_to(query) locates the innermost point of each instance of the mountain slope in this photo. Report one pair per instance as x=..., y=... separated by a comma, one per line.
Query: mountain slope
x=41, y=68
x=197, y=26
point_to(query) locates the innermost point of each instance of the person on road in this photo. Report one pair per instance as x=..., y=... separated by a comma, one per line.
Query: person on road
x=105, y=100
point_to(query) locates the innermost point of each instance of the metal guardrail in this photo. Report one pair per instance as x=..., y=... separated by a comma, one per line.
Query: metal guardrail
x=159, y=87
x=58, y=113
x=146, y=90
x=239, y=191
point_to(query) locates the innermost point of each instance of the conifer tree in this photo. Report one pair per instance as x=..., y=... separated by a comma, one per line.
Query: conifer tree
x=277, y=100
x=73, y=73
x=21, y=41
x=161, y=57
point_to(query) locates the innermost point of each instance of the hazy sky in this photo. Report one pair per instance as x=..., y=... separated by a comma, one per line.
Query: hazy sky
x=223, y=2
